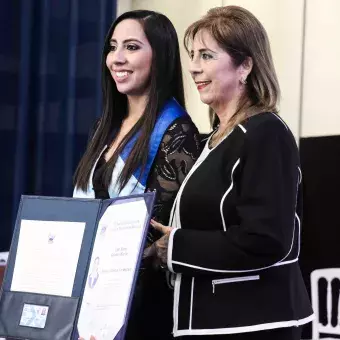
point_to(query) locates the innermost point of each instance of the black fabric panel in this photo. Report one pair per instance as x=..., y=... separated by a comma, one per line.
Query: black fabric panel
x=184, y=301
x=320, y=162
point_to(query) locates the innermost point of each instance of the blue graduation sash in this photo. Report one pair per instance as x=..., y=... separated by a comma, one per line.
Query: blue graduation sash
x=137, y=183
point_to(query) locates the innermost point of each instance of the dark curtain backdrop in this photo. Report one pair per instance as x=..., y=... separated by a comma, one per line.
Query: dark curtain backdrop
x=50, y=94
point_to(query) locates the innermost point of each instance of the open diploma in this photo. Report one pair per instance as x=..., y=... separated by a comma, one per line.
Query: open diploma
x=112, y=268
x=47, y=257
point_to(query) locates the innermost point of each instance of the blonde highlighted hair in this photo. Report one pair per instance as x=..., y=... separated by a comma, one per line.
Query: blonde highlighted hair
x=241, y=35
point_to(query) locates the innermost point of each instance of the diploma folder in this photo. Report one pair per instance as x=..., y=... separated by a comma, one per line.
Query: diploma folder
x=30, y=314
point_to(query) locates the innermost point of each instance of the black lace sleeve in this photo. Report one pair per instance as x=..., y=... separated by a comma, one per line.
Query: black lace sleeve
x=177, y=154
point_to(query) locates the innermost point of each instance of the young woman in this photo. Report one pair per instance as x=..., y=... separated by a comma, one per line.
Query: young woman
x=144, y=141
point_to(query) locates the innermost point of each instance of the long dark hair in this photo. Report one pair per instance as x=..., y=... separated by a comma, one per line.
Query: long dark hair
x=165, y=82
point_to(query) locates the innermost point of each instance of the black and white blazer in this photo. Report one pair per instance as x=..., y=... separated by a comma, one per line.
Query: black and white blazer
x=236, y=242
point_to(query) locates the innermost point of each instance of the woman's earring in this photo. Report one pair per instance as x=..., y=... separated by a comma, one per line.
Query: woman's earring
x=243, y=81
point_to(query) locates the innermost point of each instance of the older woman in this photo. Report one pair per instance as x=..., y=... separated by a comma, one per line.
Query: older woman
x=233, y=242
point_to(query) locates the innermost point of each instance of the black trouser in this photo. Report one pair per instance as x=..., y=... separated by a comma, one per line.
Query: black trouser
x=292, y=333
x=151, y=312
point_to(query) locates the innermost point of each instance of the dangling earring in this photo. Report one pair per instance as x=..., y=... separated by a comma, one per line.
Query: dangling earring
x=243, y=81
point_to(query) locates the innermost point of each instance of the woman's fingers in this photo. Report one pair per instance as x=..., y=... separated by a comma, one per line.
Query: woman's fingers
x=160, y=227
x=149, y=251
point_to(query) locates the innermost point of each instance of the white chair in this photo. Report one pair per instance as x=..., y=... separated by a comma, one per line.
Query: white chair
x=329, y=274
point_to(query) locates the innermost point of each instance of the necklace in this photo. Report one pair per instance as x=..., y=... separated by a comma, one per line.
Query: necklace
x=217, y=137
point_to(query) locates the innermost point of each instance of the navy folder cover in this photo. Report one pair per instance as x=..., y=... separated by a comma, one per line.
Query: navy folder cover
x=63, y=312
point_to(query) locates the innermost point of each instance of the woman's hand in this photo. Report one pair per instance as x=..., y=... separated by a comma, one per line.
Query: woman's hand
x=159, y=249
x=91, y=338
